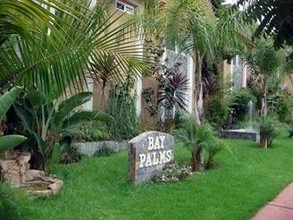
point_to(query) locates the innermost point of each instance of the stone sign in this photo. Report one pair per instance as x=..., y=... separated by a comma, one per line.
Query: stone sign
x=148, y=153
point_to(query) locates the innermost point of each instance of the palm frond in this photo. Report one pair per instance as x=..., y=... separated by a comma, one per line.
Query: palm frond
x=63, y=56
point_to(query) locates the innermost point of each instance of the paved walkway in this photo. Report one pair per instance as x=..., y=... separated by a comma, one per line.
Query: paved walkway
x=281, y=208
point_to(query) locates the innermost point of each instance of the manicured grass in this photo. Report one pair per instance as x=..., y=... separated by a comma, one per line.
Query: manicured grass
x=97, y=188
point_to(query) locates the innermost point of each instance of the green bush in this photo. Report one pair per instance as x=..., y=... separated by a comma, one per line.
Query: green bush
x=99, y=133
x=122, y=108
x=12, y=203
x=239, y=104
x=218, y=112
x=283, y=107
x=71, y=156
x=267, y=128
x=198, y=138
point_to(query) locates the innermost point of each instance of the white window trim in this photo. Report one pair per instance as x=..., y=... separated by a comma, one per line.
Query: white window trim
x=131, y=11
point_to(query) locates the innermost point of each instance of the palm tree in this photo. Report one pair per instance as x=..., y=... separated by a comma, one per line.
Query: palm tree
x=264, y=62
x=58, y=57
x=197, y=138
x=22, y=17
x=190, y=25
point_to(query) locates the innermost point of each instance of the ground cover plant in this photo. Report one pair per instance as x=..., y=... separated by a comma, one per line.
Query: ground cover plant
x=13, y=203
x=241, y=183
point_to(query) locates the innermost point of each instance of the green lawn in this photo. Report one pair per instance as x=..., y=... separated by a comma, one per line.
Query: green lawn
x=97, y=188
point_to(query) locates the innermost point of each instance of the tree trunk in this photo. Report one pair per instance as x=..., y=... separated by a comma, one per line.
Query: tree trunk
x=196, y=161
x=263, y=141
x=264, y=138
x=265, y=99
x=198, y=104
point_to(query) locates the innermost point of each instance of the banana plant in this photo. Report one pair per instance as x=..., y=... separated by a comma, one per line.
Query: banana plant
x=6, y=100
x=50, y=123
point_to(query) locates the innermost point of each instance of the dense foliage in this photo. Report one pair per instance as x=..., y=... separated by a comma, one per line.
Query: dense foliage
x=122, y=108
x=239, y=105
x=274, y=17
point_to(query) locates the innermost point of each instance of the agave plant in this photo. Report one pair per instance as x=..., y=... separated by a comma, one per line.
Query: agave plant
x=6, y=100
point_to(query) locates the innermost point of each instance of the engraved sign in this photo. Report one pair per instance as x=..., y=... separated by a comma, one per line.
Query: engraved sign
x=148, y=153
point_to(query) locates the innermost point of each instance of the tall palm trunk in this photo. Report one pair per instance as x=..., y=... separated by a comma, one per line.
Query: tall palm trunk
x=265, y=98
x=197, y=156
x=263, y=137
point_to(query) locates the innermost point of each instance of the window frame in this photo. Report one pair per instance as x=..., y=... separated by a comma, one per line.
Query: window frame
x=129, y=9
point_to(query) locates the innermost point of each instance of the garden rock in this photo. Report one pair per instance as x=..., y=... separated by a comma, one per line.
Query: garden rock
x=15, y=170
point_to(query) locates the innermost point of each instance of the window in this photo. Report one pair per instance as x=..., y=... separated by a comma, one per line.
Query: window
x=124, y=7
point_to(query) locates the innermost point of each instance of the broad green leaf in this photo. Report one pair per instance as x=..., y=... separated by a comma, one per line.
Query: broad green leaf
x=25, y=116
x=74, y=129
x=10, y=141
x=7, y=99
x=68, y=105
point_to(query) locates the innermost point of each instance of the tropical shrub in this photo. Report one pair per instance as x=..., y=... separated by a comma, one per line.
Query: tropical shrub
x=122, y=108
x=52, y=125
x=283, y=106
x=239, y=105
x=55, y=59
x=211, y=88
x=214, y=146
x=6, y=100
x=197, y=138
x=96, y=131
x=171, y=97
x=218, y=112
x=216, y=101
x=267, y=129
